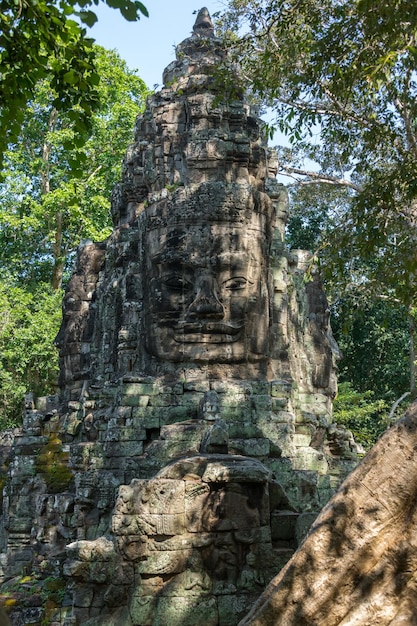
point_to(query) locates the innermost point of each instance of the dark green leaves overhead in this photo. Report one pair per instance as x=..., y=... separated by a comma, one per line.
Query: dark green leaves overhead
x=39, y=38
x=58, y=180
x=341, y=78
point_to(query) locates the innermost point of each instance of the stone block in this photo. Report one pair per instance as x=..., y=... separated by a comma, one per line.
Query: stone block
x=280, y=435
x=163, y=563
x=236, y=469
x=72, y=425
x=201, y=386
x=27, y=444
x=148, y=417
x=277, y=404
x=123, y=413
x=283, y=525
x=185, y=611
x=125, y=434
x=179, y=413
x=23, y=467
x=32, y=419
x=83, y=597
x=237, y=413
x=19, y=524
x=310, y=459
x=303, y=525
x=164, y=450
x=142, y=610
x=176, y=388
x=189, y=432
x=109, y=391
x=87, y=455
x=165, y=399
x=238, y=430
x=139, y=389
x=250, y=446
x=132, y=400
x=261, y=403
x=29, y=616
x=285, y=417
x=301, y=440
x=281, y=388
x=229, y=387
x=143, y=401
x=232, y=608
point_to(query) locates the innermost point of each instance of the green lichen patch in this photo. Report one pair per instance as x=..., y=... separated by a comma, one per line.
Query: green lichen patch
x=52, y=465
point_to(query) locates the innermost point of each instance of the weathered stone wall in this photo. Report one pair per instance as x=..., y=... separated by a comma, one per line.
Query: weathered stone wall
x=192, y=443
x=358, y=563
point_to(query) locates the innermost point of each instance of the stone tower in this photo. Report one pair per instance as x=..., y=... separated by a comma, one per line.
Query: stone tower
x=192, y=442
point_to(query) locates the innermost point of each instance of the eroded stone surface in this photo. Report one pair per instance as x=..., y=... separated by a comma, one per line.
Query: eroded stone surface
x=357, y=564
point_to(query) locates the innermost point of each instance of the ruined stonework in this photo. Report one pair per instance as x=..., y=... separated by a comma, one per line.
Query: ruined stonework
x=357, y=567
x=192, y=443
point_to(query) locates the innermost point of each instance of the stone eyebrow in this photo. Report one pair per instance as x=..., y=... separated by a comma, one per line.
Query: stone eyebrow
x=240, y=259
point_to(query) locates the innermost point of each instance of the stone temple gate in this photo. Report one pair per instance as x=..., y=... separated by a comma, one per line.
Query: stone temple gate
x=192, y=443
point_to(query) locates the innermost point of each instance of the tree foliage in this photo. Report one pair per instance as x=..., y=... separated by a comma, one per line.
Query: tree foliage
x=340, y=77
x=54, y=194
x=47, y=207
x=374, y=340
x=364, y=415
x=28, y=360
x=39, y=39
x=371, y=328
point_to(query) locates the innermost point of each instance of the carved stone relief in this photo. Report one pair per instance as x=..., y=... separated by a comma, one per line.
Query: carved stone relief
x=208, y=283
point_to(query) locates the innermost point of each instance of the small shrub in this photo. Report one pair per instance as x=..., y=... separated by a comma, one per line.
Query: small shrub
x=364, y=416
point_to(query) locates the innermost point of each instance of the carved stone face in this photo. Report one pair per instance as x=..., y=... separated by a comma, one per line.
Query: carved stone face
x=207, y=296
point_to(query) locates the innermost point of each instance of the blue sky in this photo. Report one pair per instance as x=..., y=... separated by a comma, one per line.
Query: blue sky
x=148, y=45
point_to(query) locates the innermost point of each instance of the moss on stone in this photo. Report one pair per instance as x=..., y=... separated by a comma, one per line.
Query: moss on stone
x=52, y=465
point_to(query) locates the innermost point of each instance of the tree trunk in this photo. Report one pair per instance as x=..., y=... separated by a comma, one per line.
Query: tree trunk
x=357, y=564
x=57, y=274
x=59, y=254
x=46, y=153
x=411, y=331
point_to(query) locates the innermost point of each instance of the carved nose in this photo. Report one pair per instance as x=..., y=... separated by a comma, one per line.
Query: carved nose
x=206, y=302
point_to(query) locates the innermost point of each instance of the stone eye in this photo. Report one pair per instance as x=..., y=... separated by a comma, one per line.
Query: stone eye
x=236, y=283
x=177, y=282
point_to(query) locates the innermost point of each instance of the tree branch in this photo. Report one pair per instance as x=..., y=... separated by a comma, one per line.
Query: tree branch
x=316, y=177
x=395, y=406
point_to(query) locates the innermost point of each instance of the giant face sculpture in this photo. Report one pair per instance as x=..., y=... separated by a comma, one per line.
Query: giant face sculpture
x=207, y=298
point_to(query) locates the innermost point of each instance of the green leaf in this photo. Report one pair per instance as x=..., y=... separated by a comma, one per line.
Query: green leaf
x=88, y=17
x=70, y=77
x=142, y=9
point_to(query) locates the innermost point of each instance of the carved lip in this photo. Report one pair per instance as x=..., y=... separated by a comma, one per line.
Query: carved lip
x=207, y=332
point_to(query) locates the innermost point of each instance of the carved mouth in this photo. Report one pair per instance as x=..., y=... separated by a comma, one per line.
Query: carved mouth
x=207, y=332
